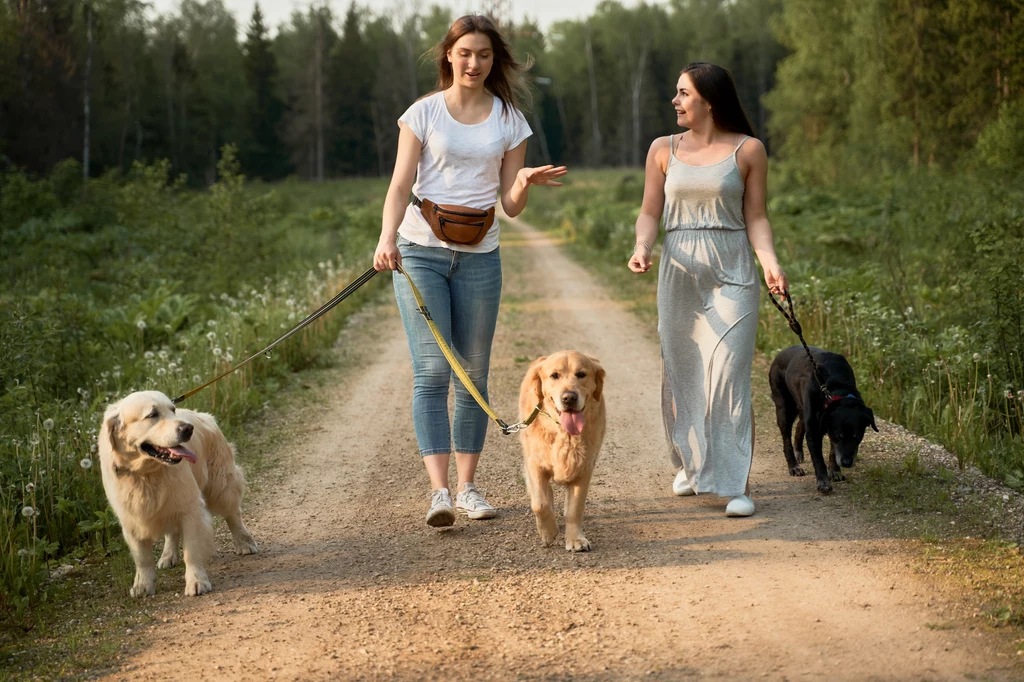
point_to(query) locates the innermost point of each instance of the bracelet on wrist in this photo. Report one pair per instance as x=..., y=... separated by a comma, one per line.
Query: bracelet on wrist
x=642, y=243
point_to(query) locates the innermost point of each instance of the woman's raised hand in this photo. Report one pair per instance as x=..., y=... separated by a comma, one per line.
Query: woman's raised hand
x=542, y=175
x=387, y=256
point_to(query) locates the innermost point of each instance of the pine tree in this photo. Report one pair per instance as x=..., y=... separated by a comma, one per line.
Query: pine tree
x=264, y=156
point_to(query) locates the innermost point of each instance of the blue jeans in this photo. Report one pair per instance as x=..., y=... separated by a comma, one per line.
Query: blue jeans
x=461, y=291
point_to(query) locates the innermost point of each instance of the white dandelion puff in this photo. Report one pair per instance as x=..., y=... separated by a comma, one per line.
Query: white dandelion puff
x=140, y=323
x=86, y=463
x=977, y=357
x=48, y=425
x=196, y=378
x=161, y=371
x=28, y=512
x=23, y=552
x=30, y=487
x=211, y=335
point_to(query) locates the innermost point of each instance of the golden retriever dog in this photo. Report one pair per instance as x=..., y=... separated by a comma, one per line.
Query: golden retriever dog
x=561, y=445
x=142, y=446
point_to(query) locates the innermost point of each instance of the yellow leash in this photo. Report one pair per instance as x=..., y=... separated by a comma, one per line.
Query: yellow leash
x=459, y=370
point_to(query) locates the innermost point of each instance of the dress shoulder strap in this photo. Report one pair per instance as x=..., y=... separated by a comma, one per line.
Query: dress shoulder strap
x=745, y=138
x=671, y=150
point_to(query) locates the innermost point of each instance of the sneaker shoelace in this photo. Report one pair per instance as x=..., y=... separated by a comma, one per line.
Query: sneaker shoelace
x=473, y=498
x=440, y=497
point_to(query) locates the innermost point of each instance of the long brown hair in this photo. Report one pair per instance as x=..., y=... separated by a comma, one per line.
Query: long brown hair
x=505, y=81
x=714, y=83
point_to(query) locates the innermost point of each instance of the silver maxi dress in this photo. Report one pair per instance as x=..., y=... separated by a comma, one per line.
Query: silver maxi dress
x=708, y=299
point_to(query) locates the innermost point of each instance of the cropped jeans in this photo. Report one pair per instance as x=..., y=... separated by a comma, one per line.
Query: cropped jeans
x=462, y=292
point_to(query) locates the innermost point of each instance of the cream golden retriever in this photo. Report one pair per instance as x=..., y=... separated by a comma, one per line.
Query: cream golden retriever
x=561, y=445
x=142, y=446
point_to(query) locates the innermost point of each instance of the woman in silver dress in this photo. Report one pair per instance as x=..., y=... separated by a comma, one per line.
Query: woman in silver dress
x=710, y=184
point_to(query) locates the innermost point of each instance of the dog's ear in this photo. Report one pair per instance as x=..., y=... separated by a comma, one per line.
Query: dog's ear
x=871, y=418
x=532, y=381
x=114, y=427
x=599, y=374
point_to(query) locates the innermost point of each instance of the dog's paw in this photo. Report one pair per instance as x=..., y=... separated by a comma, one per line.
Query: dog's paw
x=548, y=529
x=837, y=475
x=824, y=487
x=143, y=588
x=796, y=471
x=167, y=561
x=198, y=586
x=577, y=544
x=249, y=547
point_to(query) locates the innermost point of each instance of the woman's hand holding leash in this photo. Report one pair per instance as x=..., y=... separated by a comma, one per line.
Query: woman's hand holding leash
x=387, y=256
x=776, y=280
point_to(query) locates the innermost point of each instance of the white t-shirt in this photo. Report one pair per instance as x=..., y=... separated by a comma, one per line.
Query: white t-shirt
x=459, y=164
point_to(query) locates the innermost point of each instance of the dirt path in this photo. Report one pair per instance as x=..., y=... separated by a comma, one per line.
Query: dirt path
x=351, y=583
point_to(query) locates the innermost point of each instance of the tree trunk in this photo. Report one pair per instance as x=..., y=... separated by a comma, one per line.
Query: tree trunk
x=86, y=103
x=637, y=88
x=319, y=93
x=595, y=124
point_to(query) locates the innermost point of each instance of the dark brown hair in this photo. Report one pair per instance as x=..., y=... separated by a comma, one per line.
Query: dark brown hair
x=505, y=81
x=714, y=83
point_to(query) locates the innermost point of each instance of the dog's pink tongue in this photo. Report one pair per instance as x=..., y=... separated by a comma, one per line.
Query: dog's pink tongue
x=572, y=422
x=184, y=453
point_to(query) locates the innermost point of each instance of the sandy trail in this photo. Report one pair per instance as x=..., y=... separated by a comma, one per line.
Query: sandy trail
x=351, y=583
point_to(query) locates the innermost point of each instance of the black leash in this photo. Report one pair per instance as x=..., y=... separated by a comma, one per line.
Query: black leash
x=794, y=324
x=312, y=317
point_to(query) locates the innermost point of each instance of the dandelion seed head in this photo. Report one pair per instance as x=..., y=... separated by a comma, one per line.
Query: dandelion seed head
x=211, y=335
x=196, y=378
x=48, y=424
x=30, y=487
x=140, y=323
x=23, y=552
x=217, y=351
x=86, y=463
x=977, y=357
x=161, y=371
x=149, y=355
x=28, y=512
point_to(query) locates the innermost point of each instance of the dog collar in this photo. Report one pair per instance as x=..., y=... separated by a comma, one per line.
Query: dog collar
x=119, y=472
x=832, y=399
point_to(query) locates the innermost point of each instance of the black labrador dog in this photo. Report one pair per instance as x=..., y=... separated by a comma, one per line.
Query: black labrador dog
x=797, y=396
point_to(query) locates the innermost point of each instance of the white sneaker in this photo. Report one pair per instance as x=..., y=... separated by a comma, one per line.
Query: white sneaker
x=472, y=503
x=681, y=486
x=441, y=513
x=741, y=505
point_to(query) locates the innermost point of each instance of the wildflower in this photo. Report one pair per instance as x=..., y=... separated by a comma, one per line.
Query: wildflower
x=161, y=371
x=28, y=512
x=173, y=366
x=149, y=355
x=217, y=351
x=228, y=357
x=223, y=296
x=23, y=552
x=321, y=265
x=163, y=354
x=92, y=448
x=167, y=328
x=211, y=335
x=977, y=357
x=140, y=323
x=48, y=425
x=86, y=463
x=30, y=487
x=1020, y=396
x=211, y=323
x=196, y=378
x=1009, y=395
x=909, y=311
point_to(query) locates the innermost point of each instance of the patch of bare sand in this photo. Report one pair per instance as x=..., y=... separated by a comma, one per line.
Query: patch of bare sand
x=351, y=583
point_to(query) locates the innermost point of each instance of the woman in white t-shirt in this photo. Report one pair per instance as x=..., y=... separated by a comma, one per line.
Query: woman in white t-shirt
x=465, y=144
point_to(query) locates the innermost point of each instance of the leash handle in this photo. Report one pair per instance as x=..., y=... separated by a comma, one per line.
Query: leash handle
x=309, y=319
x=421, y=308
